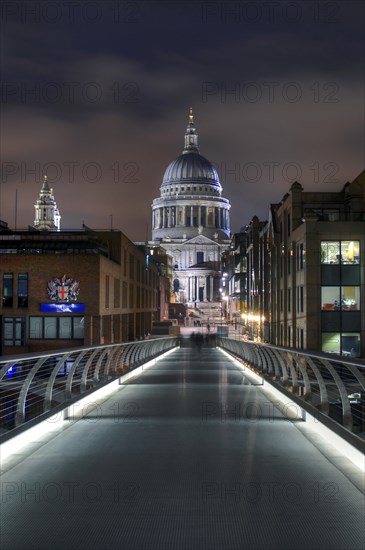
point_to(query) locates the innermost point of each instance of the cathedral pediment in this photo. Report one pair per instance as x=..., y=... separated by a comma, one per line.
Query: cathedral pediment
x=200, y=239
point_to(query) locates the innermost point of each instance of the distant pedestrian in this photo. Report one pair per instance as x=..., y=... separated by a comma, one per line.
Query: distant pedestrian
x=199, y=341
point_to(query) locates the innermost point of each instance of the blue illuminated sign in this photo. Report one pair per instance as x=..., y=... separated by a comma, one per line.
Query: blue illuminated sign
x=63, y=308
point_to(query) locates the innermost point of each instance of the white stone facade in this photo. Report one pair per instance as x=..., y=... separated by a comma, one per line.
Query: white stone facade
x=191, y=221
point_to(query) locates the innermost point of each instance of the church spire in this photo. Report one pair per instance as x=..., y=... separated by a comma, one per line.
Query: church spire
x=191, y=137
x=47, y=216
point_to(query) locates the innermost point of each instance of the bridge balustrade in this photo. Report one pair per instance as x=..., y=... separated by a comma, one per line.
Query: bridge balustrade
x=336, y=388
x=35, y=387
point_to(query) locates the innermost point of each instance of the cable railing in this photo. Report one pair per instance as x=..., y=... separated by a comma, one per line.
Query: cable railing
x=34, y=387
x=334, y=388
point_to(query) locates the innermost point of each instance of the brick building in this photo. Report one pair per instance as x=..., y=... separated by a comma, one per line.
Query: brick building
x=70, y=288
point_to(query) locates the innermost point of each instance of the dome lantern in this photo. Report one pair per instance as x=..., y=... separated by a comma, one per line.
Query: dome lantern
x=191, y=137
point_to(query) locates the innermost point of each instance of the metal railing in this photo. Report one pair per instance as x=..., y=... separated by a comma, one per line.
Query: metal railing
x=36, y=386
x=335, y=388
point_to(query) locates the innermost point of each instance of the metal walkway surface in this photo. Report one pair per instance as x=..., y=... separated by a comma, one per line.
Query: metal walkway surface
x=191, y=455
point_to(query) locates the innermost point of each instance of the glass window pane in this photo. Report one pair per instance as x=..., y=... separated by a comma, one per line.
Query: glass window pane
x=8, y=331
x=23, y=290
x=350, y=321
x=351, y=344
x=8, y=290
x=350, y=298
x=78, y=327
x=50, y=327
x=350, y=252
x=330, y=252
x=65, y=327
x=18, y=330
x=331, y=342
x=35, y=327
x=330, y=298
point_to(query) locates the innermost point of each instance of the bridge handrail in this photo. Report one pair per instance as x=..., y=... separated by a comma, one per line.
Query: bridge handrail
x=326, y=384
x=35, y=385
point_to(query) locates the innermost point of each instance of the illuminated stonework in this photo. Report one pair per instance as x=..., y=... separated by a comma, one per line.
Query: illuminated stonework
x=190, y=220
x=47, y=216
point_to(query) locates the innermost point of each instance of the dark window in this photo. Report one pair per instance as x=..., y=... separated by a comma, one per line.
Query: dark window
x=23, y=290
x=331, y=321
x=8, y=290
x=351, y=321
x=199, y=257
x=350, y=274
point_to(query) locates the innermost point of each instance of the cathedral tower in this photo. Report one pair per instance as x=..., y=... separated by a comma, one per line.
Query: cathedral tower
x=47, y=216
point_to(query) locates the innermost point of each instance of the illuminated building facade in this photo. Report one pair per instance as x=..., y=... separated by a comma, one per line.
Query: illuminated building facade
x=191, y=221
x=47, y=216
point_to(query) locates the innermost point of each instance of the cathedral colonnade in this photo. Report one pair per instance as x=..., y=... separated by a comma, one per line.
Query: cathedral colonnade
x=165, y=217
x=202, y=288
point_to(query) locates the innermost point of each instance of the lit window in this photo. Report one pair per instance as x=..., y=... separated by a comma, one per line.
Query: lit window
x=350, y=252
x=330, y=252
x=345, y=343
x=350, y=298
x=331, y=298
x=344, y=252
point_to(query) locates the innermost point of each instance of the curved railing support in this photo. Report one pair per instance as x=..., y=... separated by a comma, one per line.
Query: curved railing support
x=304, y=370
x=91, y=366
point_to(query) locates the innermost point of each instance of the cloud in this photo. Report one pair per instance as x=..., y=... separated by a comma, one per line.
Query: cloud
x=122, y=120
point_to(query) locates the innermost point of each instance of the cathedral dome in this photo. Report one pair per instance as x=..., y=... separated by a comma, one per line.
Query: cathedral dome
x=190, y=201
x=191, y=167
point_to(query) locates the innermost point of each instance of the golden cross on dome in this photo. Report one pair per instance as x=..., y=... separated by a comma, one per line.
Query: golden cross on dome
x=191, y=116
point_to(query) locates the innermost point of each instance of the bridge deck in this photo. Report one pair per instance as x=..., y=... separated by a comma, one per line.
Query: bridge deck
x=190, y=455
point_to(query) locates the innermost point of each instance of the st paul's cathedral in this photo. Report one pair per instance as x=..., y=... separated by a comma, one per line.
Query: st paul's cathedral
x=190, y=220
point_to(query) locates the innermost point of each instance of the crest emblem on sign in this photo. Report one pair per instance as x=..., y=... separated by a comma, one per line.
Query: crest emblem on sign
x=63, y=290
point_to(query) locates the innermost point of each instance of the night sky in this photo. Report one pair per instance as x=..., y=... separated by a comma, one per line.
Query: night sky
x=96, y=95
